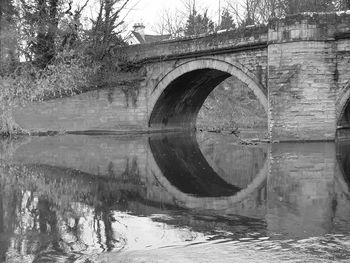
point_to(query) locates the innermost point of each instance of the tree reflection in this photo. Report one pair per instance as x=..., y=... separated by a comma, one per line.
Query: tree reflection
x=52, y=213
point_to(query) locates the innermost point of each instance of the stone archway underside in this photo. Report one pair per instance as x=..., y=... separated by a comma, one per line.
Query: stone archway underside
x=179, y=96
x=343, y=107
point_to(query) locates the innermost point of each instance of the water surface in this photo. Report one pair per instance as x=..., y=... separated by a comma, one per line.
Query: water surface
x=173, y=198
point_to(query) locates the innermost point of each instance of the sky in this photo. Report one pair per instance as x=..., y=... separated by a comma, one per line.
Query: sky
x=149, y=12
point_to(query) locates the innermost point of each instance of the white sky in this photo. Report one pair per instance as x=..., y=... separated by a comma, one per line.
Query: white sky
x=149, y=12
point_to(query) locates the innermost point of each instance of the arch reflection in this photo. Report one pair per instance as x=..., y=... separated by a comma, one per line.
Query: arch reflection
x=73, y=196
x=184, y=166
x=343, y=157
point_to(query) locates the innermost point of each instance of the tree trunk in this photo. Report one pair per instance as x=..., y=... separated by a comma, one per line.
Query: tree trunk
x=7, y=37
x=47, y=30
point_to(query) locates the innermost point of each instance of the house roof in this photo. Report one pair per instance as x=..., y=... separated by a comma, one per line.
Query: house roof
x=156, y=38
x=149, y=38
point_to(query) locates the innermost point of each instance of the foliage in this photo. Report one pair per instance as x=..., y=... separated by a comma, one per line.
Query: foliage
x=7, y=36
x=226, y=21
x=62, y=58
x=46, y=27
x=198, y=24
x=239, y=14
x=39, y=28
x=250, y=12
x=67, y=75
x=298, y=6
x=230, y=106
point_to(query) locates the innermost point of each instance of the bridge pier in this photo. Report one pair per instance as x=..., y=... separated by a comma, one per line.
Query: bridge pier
x=303, y=75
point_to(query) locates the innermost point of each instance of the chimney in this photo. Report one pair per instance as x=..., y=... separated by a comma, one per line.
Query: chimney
x=140, y=28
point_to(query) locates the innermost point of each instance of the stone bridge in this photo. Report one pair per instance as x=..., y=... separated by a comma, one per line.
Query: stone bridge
x=298, y=67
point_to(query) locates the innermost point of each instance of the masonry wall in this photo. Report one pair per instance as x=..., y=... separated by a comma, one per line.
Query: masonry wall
x=254, y=61
x=112, y=109
x=304, y=75
x=301, y=91
x=343, y=77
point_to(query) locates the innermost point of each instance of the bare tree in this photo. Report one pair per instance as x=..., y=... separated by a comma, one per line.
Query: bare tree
x=170, y=23
x=269, y=9
x=246, y=12
x=107, y=27
x=299, y=6
x=188, y=7
x=71, y=33
x=250, y=12
x=186, y=20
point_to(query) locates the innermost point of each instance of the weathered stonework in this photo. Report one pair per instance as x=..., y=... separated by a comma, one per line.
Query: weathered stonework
x=301, y=91
x=298, y=67
x=308, y=57
x=104, y=109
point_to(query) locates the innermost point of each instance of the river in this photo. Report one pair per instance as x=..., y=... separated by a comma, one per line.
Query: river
x=173, y=198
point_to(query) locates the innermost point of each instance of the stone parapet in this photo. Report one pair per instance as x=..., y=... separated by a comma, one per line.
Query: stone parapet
x=309, y=27
x=212, y=44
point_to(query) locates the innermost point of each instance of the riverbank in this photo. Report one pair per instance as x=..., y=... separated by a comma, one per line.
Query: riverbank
x=231, y=106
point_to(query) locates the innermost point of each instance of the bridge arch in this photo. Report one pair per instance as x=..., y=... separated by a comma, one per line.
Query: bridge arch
x=343, y=106
x=177, y=98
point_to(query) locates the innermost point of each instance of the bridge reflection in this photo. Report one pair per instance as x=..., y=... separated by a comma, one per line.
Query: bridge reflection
x=182, y=163
x=81, y=194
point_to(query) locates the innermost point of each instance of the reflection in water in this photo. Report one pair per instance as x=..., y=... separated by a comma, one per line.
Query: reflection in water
x=236, y=164
x=301, y=194
x=74, y=197
x=343, y=156
x=184, y=166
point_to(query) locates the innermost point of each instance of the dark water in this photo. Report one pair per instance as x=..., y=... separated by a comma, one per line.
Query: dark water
x=173, y=198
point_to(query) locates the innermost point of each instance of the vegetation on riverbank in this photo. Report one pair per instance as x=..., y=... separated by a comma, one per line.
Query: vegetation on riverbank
x=48, y=50
x=67, y=75
x=232, y=106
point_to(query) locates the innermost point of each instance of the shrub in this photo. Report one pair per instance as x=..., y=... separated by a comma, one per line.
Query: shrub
x=70, y=73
